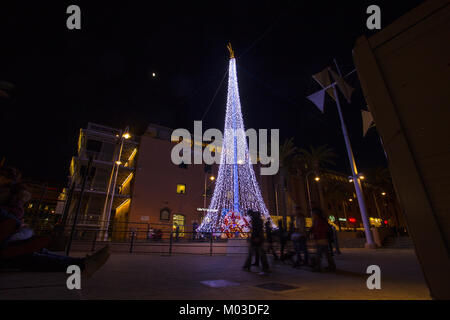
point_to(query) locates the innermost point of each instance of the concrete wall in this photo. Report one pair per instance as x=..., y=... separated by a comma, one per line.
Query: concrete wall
x=405, y=76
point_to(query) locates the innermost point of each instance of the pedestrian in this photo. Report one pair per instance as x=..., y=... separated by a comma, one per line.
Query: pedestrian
x=320, y=232
x=283, y=237
x=299, y=240
x=333, y=240
x=194, y=230
x=177, y=233
x=256, y=242
x=269, y=239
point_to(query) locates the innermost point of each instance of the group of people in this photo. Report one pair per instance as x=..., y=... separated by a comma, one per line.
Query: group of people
x=321, y=232
x=20, y=248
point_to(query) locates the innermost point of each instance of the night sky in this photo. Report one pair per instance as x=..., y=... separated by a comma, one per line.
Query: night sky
x=102, y=73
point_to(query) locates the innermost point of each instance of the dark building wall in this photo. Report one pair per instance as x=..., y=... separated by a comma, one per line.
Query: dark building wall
x=405, y=76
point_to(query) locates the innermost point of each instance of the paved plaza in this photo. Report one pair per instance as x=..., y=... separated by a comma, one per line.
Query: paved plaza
x=150, y=276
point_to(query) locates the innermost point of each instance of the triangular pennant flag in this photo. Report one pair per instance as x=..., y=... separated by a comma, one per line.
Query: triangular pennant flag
x=318, y=99
x=323, y=78
x=343, y=86
x=367, y=121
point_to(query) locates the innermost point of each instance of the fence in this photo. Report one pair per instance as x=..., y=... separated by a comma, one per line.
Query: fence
x=165, y=243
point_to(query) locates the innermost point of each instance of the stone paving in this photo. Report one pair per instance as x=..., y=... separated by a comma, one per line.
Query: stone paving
x=147, y=276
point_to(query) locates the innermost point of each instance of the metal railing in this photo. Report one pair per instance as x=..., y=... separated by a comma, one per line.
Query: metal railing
x=165, y=243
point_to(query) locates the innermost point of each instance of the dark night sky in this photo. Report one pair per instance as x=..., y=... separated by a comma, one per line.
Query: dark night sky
x=102, y=74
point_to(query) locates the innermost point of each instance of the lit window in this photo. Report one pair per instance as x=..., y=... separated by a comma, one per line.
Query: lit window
x=181, y=188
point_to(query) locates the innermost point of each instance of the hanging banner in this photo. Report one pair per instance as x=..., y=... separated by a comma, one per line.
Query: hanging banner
x=367, y=121
x=318, y=99
x=323, y=78
x=345, y=88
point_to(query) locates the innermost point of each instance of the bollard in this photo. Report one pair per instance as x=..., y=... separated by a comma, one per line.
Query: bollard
x=132, y=242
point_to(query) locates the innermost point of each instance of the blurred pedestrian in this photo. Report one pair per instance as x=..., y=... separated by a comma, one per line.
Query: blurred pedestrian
x=269, y=239
x=194, y=230
x=299, y=240
x=256, y=242
x=320, y=232
x=333, y=240
x=283, y=238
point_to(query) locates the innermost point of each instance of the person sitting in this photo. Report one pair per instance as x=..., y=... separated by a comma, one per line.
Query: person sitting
x=19, y=247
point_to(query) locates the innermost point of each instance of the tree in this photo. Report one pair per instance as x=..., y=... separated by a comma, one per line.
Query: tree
x=315, y=159
x=236, y=189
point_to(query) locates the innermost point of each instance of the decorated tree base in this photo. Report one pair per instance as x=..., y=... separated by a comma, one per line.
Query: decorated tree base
x=234, y=225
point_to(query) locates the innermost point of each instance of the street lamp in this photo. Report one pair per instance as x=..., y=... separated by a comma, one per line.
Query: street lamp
x=317, y=178
x=383, y=193
x=124, y=135
x=212, y=178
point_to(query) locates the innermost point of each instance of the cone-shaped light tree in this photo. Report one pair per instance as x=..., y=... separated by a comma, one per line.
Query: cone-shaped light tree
x=236, y=190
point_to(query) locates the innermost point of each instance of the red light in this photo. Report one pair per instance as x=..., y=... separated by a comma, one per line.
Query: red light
x=385, y=222
x=352, y=220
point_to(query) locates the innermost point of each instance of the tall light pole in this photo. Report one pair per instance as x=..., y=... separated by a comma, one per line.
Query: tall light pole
x=112, y=184
x=356, y=178
x=317, y=178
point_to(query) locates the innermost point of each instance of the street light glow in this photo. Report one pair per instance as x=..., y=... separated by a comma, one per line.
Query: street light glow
x=317, y=178
x=383, y=193
x=126, y=135
x=212, y=178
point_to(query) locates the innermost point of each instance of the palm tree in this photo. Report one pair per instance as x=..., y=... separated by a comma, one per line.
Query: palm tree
x=315, y=159
x=287, y=156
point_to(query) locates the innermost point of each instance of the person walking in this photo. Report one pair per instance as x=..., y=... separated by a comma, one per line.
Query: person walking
x=256, y=243
x=333, y=240
x=194, y=230
x=299, y=239
x=177, y=233
x=269, y=239
x=283, y=236
x=320, y=232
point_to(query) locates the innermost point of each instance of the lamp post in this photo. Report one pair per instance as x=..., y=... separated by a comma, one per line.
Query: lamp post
x=124, y=135
x=212, y=178
x=317, y=178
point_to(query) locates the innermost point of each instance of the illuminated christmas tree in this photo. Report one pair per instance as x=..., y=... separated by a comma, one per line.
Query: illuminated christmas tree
x=236, y=190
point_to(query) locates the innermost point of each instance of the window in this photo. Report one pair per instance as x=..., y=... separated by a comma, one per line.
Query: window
x=181, y=188
x=164, y=214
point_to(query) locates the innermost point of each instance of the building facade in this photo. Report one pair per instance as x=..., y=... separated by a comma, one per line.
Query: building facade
x=101, y=144
x=151, y=192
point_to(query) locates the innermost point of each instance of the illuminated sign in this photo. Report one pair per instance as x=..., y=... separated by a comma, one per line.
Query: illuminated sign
x=206, y=209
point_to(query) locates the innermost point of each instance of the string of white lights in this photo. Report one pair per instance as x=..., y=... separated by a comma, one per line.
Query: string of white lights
x=248, y=191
